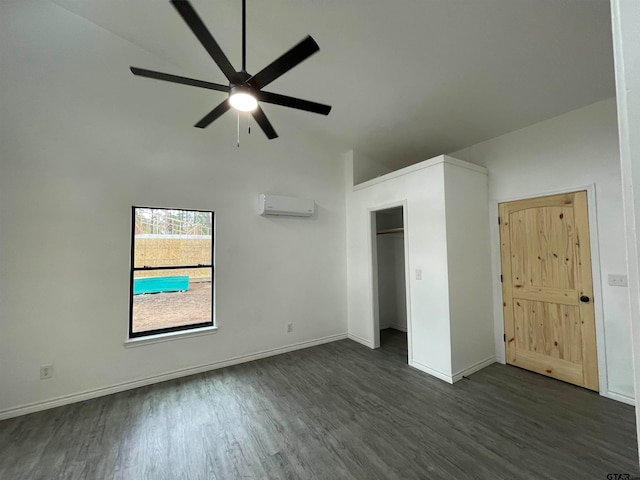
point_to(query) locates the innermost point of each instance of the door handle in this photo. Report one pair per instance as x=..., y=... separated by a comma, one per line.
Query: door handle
x=584, y=299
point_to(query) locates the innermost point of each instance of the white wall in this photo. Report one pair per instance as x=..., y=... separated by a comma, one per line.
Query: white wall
x=400, y=284
x=626, y=17
x=81, y=140
x=421, y=188
x=428, y=309
x=469, y=270
x=364, y=168
x=568, y=152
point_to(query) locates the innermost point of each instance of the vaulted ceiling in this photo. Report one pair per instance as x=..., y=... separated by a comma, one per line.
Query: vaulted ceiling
x=407, y=79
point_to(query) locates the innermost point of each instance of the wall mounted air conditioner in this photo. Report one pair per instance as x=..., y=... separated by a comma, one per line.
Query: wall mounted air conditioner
x=280, y=205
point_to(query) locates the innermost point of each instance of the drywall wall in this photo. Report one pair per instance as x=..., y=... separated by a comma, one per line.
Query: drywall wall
x=427, y=311
x=399, y=284
x=569, y=152
x=421, y=189
x=626, y=18
x=364, y=168
x=469, y=269
x=81, y=141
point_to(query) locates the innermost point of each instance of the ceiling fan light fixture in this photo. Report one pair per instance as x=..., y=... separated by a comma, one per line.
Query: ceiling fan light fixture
x=244, y=91
x=242, y=100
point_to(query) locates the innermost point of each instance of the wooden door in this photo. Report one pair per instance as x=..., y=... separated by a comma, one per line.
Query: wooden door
x=547, y=287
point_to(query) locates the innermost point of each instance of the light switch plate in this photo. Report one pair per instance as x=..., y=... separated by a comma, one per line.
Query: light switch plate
x=618, y=280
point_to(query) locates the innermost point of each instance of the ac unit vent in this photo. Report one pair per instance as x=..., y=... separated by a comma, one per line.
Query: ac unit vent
x=281, y=205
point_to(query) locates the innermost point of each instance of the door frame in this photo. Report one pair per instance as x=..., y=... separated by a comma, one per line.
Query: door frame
x=373, y=281
x=595, y=274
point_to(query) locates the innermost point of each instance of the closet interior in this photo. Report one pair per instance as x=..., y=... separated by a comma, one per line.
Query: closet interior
x=392, y=305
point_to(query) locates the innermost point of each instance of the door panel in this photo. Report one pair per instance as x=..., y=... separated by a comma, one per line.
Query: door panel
x=549, y=329
x=546, y=268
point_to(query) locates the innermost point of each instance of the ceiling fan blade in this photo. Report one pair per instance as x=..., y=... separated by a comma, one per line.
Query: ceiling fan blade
x=190, y=16
x=213, y=114
x=292, y=102
x=264, y=123
x=142, y=72
x=284, y=63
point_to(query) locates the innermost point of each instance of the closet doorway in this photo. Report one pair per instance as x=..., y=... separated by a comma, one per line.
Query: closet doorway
x=389, y=275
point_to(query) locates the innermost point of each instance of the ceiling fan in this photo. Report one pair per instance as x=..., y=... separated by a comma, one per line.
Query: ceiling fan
x=244, y=90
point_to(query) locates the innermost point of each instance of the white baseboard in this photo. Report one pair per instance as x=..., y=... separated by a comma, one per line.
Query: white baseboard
x=360, y=340
x=456, y=376
x=619, y=397
x=121, y=387
x=473, y=368
x=431, y=371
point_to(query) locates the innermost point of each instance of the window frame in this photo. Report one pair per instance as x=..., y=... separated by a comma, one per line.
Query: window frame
x=133, y=269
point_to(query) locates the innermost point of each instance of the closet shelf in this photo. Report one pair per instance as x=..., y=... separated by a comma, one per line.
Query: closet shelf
x=390, y=230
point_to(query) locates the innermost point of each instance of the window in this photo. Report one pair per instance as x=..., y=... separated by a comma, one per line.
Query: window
x=171, y=271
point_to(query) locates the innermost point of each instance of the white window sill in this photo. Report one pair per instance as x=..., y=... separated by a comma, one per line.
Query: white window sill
x=169, y=337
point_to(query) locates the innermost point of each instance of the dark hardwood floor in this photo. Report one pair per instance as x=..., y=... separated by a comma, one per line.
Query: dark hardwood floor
x=336, y=411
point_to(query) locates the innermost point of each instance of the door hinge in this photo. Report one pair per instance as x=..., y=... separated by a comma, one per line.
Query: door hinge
x=498, y=220
x=504, y=337
x=500, y=278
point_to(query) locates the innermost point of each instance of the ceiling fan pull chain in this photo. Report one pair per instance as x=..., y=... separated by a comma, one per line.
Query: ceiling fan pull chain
x=238, y=131
x=249, y=123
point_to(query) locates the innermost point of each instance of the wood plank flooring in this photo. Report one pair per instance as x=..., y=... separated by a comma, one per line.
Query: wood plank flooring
x=336, y=411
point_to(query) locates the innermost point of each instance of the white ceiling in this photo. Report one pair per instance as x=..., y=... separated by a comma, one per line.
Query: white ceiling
x=408, y=79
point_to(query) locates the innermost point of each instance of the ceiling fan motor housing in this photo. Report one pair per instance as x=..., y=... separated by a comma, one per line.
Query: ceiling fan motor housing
x=241, y=88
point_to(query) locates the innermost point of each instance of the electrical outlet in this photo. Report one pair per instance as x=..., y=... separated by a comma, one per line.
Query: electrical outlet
x=290, y=327
x=418, y=274
x=46, y=371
